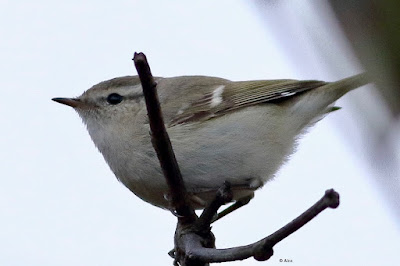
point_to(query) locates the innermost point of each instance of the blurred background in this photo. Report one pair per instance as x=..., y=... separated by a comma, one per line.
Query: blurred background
x=61, y=205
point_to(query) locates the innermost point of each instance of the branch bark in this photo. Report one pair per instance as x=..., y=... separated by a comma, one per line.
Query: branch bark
x=162, y=143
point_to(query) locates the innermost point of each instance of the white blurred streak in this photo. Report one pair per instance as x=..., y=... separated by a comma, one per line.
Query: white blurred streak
x=316, y=44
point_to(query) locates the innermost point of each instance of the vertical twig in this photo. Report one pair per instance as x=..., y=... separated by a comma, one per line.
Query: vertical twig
x=162, y=143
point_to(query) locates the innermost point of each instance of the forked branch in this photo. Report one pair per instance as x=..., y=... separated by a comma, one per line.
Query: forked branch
x=262, y=249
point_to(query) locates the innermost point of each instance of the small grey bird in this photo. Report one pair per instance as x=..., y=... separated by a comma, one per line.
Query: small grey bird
x=221, y=130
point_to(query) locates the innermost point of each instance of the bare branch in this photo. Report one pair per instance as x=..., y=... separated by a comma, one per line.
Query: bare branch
x=161, y=141
x=263, y=249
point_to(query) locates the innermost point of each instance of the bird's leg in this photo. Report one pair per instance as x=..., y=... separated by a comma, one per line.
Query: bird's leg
x=223, y=196
x=239, y=203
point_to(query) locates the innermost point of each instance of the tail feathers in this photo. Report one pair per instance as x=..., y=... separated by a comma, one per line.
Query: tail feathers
x=349, y=83
x=319, y=101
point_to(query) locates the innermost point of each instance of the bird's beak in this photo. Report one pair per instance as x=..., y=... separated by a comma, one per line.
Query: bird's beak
x=73, y=102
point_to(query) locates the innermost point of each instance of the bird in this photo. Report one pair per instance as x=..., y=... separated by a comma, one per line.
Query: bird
x=240, y=132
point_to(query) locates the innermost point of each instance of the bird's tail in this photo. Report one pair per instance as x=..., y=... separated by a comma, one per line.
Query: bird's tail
x=348, y=84
x=314, y=103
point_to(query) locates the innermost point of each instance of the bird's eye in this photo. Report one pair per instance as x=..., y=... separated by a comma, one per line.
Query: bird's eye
x=114, y=98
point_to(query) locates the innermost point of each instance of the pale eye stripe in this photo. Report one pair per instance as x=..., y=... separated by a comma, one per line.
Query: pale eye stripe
x=217, y=96
x=134, y=96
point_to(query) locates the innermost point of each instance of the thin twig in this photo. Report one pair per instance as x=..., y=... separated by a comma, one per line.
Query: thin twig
x=161, y=141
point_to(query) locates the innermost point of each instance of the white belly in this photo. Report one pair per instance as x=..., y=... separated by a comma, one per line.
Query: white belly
x=246, y=152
